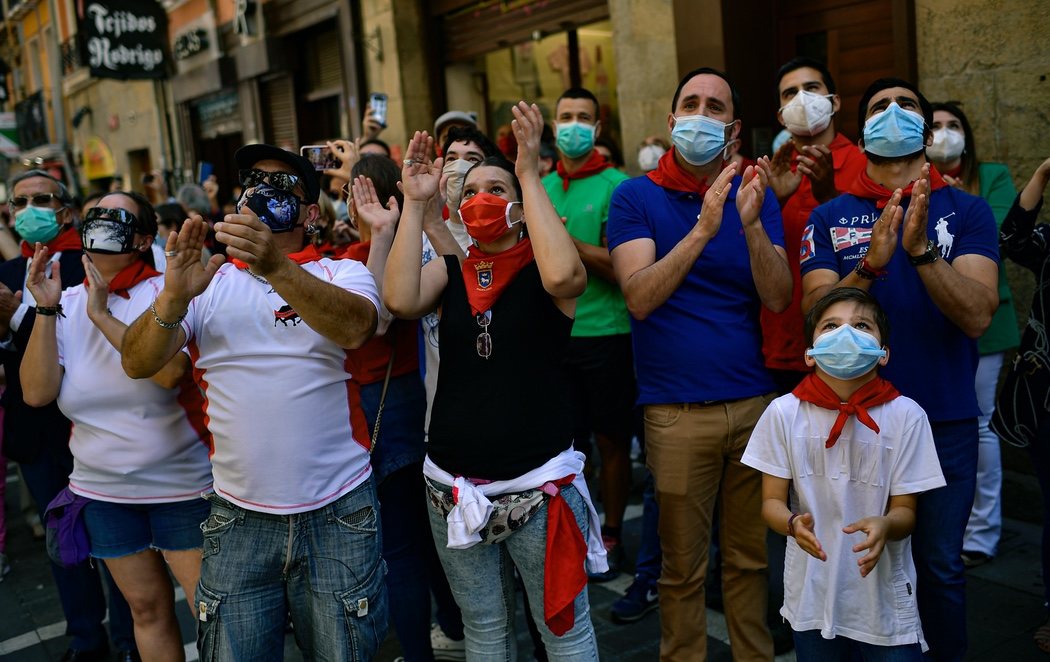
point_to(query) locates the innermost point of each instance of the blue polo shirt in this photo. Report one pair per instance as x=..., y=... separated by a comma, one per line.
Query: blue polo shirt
x=931, y=360
x=704, y=343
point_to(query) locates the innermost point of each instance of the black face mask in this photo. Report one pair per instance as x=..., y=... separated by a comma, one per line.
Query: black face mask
x=278, y=209
x=109, y=231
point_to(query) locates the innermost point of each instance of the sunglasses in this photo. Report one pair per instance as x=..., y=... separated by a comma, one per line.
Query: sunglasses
x=280, y=180
x=38, y=200
x=484, y=341
x=122, y=216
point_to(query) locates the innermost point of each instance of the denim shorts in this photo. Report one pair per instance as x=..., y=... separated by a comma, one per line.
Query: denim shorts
x=122, y=529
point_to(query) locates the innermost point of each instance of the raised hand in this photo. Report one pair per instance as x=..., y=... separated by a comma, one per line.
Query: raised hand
x=46, y=290
x=805, y=536
x=9, y=302
x=347, y=154
x=370, y=126
x=782, y=179
x=185, y=276
x=420, y=176
x=914, y=237
x=382, y=220
x=528, y=130
x=815, y=162
x=751, y=194
x=709, y=220
x=97, y=289
x=884, y=233
x=877, y=528
x=249, y=240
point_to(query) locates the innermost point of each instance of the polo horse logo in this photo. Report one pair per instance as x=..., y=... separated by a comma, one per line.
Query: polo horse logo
x=945, y=239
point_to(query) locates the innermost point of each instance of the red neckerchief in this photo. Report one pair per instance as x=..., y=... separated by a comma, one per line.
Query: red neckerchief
x=876, y=392
x=308, y=254
x=954, y=172
x=67, y=240
x=669, y=174
x=129, y=277
x=563, y=573
x=865, y=187
x=595, y=164
x=358, y=251
x=486, y=276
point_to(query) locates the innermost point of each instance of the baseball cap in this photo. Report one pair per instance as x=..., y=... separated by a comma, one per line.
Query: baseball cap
x=247, y=156
x=455, y=116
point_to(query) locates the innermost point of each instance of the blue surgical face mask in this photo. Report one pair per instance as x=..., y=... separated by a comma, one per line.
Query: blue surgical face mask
x=35, y=224
x=846, y=353
x=699, y=139
x=894, y=132
x=575, y=139
x=278, y=209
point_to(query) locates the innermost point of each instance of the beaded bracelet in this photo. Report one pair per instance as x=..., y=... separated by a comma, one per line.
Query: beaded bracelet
x=162, y=323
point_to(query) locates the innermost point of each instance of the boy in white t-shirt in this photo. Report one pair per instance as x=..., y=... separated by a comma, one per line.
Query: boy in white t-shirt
x=854, y=454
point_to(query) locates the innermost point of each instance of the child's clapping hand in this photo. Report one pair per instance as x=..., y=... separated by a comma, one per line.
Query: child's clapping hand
x=802, y=530
x=877, y=528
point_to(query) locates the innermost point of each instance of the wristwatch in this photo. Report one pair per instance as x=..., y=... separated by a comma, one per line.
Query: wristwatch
x=930, y=256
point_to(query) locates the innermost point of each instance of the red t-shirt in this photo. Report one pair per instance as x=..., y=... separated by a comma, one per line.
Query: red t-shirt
x=783, y=335
x=368, y=363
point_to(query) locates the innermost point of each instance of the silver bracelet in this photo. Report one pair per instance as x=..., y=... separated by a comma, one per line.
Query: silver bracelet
x=162, y=323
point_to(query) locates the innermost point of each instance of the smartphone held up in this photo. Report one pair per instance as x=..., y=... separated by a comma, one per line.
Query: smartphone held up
x=320, y=157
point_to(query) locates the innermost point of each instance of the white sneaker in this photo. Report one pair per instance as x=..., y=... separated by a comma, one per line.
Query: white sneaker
x=445, y=647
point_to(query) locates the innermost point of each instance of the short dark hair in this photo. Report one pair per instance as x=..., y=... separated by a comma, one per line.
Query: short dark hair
x=714, y=72
x=145, y=213
x=614, y=150
x=840, y=294
x=968, y=174
x=63, y=193
x=803, y=62
x=376, y=141
x=470, y=134
x=498, y=161
x=384, y=173
x=886, y=83
x=170, y=213
x=579, y=93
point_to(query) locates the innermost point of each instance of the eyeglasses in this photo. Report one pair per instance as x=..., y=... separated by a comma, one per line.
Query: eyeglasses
x=122, y=216
x=280, y=180
x=38, y=200
x=484, y=341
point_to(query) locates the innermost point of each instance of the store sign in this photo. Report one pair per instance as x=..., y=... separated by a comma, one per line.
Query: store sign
x=124, y=38
x=190, y=43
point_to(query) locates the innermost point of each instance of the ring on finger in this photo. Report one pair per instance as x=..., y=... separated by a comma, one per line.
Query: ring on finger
x=170, y=253
x=409, y=162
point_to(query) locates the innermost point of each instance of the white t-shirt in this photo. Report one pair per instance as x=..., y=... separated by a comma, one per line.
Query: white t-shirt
x=290, y=435
x=839, y=485
x=133, y=441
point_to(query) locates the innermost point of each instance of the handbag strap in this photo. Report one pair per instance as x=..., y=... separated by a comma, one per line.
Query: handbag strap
x=382, y=400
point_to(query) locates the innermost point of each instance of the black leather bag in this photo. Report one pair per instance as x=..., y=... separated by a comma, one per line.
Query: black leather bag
x=1024, y=400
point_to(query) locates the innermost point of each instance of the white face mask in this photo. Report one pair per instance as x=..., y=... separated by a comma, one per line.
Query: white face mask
x=948, y=145
x=807, y=114
x=456, y=172
x=649, y=156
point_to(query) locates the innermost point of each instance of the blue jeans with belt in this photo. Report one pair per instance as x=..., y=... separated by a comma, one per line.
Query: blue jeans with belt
x=323, y=566
x=937, y=542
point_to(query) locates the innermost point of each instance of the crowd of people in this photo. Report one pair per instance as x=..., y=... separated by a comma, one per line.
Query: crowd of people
x=348, y=396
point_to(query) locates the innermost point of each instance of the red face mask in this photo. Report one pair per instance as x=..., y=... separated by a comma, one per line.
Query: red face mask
x=486, y=217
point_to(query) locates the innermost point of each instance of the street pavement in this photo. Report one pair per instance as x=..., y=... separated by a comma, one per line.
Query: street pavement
x=1003, y=604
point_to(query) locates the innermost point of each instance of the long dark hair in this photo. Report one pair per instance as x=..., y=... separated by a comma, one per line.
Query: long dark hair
x=969, y=172
x=497, y=161
x=384, y=173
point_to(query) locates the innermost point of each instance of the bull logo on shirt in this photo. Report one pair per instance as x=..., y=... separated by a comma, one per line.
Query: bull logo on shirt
x=484, y=270
x=285, y=315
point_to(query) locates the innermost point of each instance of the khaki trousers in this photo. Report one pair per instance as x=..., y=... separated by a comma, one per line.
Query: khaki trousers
x=694, y=455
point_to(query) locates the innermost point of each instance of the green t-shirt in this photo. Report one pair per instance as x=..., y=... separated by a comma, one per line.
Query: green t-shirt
x=997, y=188
x=600, y=310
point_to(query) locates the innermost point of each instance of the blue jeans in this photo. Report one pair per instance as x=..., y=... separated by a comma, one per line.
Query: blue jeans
x=322, y=566
x=79, y=587
x=647, y=566
x=482, y=580
x=940, y=522
x=810, y=646
x=122, y=529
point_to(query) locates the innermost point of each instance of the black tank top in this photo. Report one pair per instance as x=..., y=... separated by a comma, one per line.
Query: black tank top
x=501, y=417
